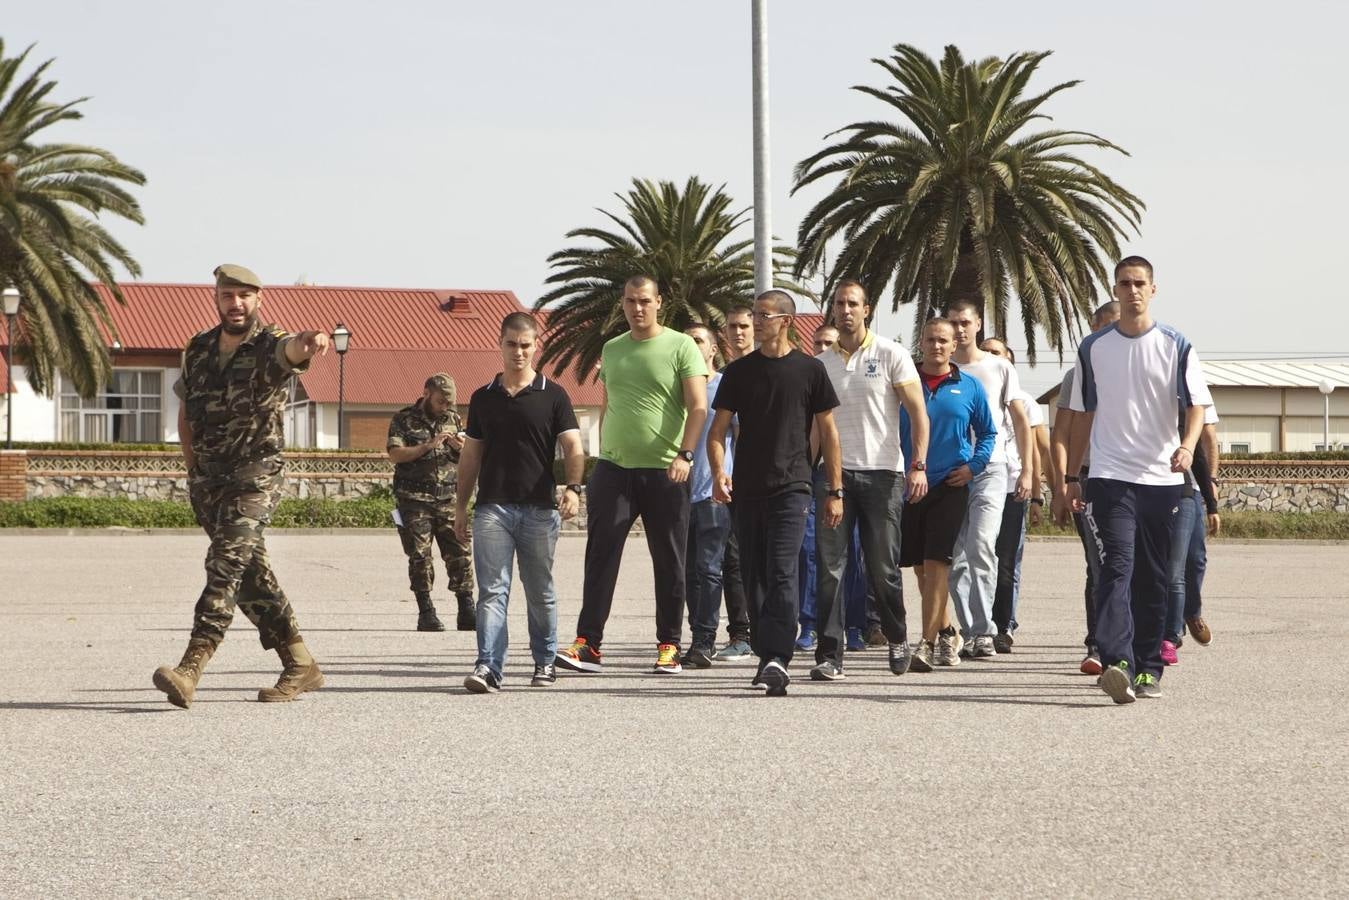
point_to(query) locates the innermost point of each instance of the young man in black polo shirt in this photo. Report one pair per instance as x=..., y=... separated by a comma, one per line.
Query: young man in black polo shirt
x=514, y=424
x=779, y=393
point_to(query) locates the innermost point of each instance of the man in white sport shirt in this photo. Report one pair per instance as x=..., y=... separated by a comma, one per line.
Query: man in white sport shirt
x=1133, y=382
x=1012, y=535
x=974, y=567
x=1106, y=315
x=873, y=377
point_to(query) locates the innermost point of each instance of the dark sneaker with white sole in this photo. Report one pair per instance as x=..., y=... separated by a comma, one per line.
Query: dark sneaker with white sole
x=775, y=678
x=544, y=676
x=826, y=671
x=1002, y=642
x=900, y=656
x=482, y=681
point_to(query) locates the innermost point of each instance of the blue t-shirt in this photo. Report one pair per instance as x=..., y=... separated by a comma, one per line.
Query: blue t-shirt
x=956, y=410
x=700, y=478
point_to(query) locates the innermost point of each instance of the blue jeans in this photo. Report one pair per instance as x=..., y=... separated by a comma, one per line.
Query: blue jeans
x=1189, y=560
x=529, y=534
x=805, y=564
x=871, y=502
x=858, y=604
x=974, y=565
x=709, y=526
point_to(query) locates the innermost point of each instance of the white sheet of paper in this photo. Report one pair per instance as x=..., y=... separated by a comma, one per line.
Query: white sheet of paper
x=397, y=519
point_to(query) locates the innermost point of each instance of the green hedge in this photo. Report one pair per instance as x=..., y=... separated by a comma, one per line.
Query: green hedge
x=90, y=512
x=1325, y=526
x=373, y=512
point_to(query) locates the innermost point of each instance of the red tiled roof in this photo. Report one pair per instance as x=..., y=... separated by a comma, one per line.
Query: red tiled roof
x=398, y=335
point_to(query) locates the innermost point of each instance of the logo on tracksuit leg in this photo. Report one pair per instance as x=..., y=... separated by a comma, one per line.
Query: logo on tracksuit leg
x=1095, y=533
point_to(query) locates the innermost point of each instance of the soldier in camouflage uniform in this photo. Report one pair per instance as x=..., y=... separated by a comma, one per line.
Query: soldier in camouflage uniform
x=424, y=443
x=233, y=390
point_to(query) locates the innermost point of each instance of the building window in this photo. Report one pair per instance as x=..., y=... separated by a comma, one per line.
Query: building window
x=1238, y=448
x=126, y=411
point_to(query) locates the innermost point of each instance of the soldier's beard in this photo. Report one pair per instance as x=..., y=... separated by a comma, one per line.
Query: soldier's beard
x=241, y=328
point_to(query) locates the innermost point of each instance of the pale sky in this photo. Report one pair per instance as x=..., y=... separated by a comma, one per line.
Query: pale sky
x=452, y=145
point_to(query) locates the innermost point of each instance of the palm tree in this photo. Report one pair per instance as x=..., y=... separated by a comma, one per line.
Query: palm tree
x=52, y=245
x=679, y=238
x=958, y=202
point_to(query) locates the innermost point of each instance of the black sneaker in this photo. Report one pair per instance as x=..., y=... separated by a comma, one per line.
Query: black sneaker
x=774, y=677
x=1002, y=642
x=482, y=681
x=900, y=656
x=544, y=676
x=699, y=656
x=826, y=671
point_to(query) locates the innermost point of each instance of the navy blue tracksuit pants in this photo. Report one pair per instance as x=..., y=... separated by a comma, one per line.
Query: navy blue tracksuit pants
x=1131, y=526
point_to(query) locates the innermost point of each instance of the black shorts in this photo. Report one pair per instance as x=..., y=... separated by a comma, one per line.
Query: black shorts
x=928, y=529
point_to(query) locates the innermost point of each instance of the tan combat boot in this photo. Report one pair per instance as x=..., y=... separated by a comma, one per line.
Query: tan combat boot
x=180, y=682
x=300, y=674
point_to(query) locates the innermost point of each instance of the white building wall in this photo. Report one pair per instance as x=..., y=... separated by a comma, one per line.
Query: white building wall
x=170, y=406
x=34, y=415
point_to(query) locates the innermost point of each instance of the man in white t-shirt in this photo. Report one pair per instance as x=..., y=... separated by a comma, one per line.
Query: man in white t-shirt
x=974, y=567
x=1011, y=541
x=1131, y=385
x=1105, y=315
x=873, y=377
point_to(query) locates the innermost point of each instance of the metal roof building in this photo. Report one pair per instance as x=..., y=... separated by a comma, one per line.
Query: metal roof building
x=1269, y=405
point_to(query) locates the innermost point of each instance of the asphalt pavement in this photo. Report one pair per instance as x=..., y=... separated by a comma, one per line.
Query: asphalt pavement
x=1011, y=777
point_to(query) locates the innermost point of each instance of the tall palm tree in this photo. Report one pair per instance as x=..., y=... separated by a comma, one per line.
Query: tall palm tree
x=959, y=202
x=52, y=245
x=681, y=238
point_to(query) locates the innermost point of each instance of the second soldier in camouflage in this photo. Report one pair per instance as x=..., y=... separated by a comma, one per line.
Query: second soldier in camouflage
x=424, y=443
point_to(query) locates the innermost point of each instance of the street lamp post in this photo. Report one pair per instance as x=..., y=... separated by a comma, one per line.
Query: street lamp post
x=11, y=296
x=1325, y=387
x=763, y=224
x=341, y=338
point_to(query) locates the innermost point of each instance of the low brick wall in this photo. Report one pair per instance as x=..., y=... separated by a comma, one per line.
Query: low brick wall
x=1272, y=485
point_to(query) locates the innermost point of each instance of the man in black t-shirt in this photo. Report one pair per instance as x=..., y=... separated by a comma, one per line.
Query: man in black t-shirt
x=778, y=393
x=514, y=424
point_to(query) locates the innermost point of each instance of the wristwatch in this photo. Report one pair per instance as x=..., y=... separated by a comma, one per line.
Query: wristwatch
x=836, y=492
x=919, y=466
x=686, y=455
x=575, y=489
x=1071, y=479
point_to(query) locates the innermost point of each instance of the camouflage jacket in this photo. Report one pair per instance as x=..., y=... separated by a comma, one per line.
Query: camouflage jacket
x=234, y=406
x=430, y=477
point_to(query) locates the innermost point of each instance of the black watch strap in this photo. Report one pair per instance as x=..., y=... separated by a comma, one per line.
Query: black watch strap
x=1070, y=479
x=575, y=489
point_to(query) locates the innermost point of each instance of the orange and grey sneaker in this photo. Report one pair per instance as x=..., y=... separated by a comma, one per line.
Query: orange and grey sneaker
x=667, y=660
x=579, y=657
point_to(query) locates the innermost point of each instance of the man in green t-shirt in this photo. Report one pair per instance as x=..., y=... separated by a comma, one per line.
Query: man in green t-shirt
x=655, y=403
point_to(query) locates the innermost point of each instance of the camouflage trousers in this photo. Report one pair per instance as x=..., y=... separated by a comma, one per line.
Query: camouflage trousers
x=426, y=521
x=234, y=511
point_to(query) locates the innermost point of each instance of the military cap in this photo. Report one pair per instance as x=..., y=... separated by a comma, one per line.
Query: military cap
x=238, y=275
x=443, y=383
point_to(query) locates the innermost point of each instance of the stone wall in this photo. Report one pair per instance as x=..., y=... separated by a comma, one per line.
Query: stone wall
x=1276, y=485
x=162, y=487
x=1274, y=497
